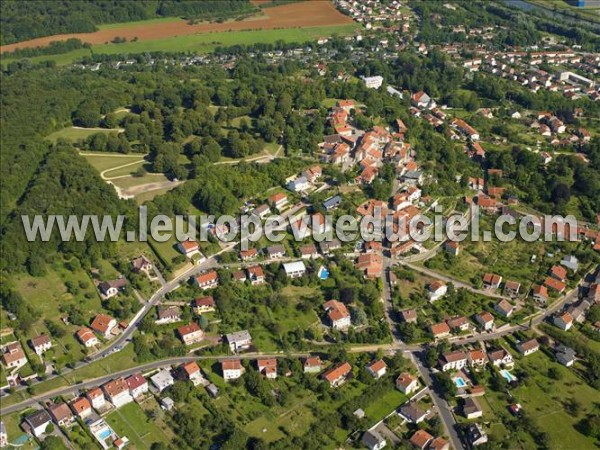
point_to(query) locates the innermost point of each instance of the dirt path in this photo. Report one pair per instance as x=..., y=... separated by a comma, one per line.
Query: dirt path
x=293, y=15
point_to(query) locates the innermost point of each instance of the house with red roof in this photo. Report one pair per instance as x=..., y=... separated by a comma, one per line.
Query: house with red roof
x=207, y=280
x=190, y=334
x=337, y=375
x=377, y=368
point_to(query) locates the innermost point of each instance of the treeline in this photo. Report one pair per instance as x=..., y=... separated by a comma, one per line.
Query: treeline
x=54, y=48
x=23, y=20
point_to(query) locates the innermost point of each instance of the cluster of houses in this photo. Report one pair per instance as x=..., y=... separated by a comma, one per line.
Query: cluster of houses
x=374, y=15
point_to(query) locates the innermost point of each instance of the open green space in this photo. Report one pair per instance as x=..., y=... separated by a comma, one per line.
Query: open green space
x=102, y=161
x=131, y=421
x=74, y=134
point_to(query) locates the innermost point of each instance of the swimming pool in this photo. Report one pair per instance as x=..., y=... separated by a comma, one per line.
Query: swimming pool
x=509, y=376
x=323, y=273
x=460, y=382
x=105, y=433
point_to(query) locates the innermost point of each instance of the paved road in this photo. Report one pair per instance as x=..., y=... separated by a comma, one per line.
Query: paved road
x=442, y=406
x=143, y=368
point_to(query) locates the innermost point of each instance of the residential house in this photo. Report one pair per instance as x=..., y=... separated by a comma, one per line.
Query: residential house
x=471, y=408
x=406, y=383
x=61, y=414
x=338, y=374
x=81, y=407
x=373, y=440
x=111, y=288
x=371, y=264
x=294, y=269
x=565, y=355
x=256, y=275
x=141, y=264
x=117, y=392
x=528, y=347
x=332, y=203
x=40, y=344
x=421, y=439
x=207, y=280
x=300, y=184
x=409, y=315
x=232, y=369
x=377, y=368
x=104, y=325
x=476, y=358
x=96, y=398
x=275, y=251
x=511, y=288
x=412, y=413
x=570, y=262
x=553, y=283
x=540, y=294
x=248, y=255
x=491, y=281
x=137, y=385
x=240, y=340
x=338, y=314
x=475, y=435
x=500, y=357
x=188, y=247
x=279, y=201
x=3, y=435
x=485, y=320
x=162, y=379
x=440, y=330
x=437, y=290
x=563, y=321
x=267, y=367
x=504, y=308
x=439, y=443
x=422, y=100
x=87, y=337
x=309, y=251
x=191, y=371
x=312, y=364
x=453, y=361
x=558, y=273
x=327, y=247
x=13, y=356
x=38, y=422
x=458, y=324
x=261, y=211
x=168, y=314
x=203, y=305
x=212, y=390
x=190, y=334
x=451, y=247
x=312, y=174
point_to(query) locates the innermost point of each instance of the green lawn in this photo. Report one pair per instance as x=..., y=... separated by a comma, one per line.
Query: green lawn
x=131, y=421
x=75, y=134
x=129, y=182
x=102, y=161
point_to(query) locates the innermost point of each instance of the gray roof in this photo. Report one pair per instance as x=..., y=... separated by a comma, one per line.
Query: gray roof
x=332, y=202
x=238, y=336
x=371, y=438
x=411, y=411
x=38, y=418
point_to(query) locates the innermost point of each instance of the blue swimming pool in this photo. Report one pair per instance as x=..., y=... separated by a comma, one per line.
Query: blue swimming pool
x=460, y=382
x=323, y=273
x=509, y=376
x=105, y=433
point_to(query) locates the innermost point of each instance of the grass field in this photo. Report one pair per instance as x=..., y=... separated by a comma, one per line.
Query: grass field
x=102, y=161
x=75, y=134
x=201, y=43
x=131, y=421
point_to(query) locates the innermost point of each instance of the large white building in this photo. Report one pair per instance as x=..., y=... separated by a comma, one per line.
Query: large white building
x=374, y=82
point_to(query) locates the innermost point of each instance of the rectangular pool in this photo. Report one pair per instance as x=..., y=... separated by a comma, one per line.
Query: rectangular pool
x=460, y=382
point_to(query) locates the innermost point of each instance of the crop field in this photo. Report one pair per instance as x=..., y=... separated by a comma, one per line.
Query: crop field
x=289, y=16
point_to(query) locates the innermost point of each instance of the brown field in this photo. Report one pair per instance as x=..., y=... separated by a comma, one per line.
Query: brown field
x=303, y=14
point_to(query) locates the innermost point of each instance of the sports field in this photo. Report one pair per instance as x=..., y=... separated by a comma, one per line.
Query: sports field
x=288, y=16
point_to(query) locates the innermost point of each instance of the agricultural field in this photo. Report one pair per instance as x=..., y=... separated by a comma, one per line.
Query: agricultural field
x=294, y=22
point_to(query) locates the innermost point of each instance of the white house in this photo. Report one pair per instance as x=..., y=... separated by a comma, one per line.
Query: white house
x=563, y=321
x=13, y=356
x=374, y=82
x=500, y=357
x=162, y=379
x=294, y=269
x=528, y=347
x=437, y=290
x=406, y=383
x=240, y=340
x=96, y=398
x=453, y=361
x=188, y=247
x=485, y=320
x=117, y=392
x=299, y=184
x=373, y=440
x=41, y=343
x=38, y=421
x=87, y=337
x=338, y=314
x=377, y=368
x=232, y=369
x=137, y=385
x=190, y=334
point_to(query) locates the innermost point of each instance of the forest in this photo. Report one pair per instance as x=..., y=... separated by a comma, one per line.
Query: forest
x=23, y=20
